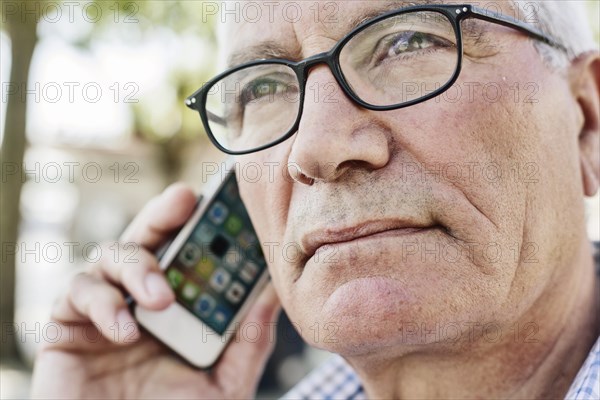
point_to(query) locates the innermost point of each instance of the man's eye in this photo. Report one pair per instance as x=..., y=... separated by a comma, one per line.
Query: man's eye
x=264, y=88
x=408, y=43
x=261, y=88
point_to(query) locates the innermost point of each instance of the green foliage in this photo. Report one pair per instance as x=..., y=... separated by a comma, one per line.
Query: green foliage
x=133, y=23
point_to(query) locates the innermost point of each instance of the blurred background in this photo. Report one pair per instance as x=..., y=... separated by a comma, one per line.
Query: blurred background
x=92, y=125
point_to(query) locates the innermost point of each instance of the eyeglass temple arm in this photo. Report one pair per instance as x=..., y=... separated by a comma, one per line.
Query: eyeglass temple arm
x=211, y=117
x=216, y=118
x=510, y=22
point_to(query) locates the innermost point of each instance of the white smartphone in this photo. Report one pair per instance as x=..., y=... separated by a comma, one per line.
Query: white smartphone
x=216, y=268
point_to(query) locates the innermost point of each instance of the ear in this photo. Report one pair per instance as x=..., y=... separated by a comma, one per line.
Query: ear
x=585, y=80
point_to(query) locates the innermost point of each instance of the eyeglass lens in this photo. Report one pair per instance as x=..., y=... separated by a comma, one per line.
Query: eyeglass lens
x=394, y=61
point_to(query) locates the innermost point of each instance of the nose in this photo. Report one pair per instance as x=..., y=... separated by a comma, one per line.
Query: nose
x=335, y=135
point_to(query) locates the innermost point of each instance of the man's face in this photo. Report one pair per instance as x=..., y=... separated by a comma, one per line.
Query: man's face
x=410, y=226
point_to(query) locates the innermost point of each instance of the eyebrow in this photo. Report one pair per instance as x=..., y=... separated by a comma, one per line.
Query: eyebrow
x=471, y=28
x=271, y=49
x=389, y=6
x=266, y=49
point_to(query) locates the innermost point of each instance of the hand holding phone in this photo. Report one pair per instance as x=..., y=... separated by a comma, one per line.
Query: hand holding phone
x=217, y=269
x=90, y=359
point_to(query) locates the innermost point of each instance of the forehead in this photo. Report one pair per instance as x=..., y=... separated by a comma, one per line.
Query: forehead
x=298, y=29
x=293, y=29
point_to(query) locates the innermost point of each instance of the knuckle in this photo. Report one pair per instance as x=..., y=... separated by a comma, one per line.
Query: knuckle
x=118, y=257
x=134, y=271
x=105, y=300
x=138, y=261
x=78, y=281
x=147, y=211
x=110, y=251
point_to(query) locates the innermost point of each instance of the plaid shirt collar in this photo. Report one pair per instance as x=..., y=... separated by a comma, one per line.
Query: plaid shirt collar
x=335, y=379
x=587, y=381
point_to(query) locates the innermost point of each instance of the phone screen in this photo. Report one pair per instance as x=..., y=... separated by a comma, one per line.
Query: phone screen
x=220, y=262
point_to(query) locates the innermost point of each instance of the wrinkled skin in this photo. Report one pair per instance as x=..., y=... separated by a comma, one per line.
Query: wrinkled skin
x=471, y=282
x=504, y=248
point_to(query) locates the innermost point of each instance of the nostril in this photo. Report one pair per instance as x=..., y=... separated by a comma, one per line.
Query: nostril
x=300, y=177
x=305, y=179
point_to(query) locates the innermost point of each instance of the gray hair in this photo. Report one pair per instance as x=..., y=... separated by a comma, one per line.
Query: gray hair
x=564, y=20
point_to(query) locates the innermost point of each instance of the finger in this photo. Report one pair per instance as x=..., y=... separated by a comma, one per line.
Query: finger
x=251, y=355
x=94, y=300
x=64, y=311
x=161, y=216
x=136, y=269
x=87, y=337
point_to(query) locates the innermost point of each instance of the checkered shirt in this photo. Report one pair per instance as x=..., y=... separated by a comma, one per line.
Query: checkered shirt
x=335, y=379
x=587, y=382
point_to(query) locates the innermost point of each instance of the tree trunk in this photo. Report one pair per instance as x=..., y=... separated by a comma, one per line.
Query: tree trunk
x=22, y=33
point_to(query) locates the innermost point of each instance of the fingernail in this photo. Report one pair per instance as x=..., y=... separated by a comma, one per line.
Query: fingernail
x=156, y=286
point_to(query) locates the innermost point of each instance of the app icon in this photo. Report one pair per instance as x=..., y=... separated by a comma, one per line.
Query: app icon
x=217, y=213
x=205, y=305
x=220, y=279
x=246, y=239
x=190, y=291
x=190, y=254
x=232, y=259
x=233, y=224
x=248, y=272
x=219, y=246
x=231, y=191
x=235, y=292
x=205, y=267
x=221, y=317
x=205, y=233
x=175, y=277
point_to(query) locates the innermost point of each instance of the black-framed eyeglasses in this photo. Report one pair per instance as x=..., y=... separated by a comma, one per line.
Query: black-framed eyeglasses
x=395, y=60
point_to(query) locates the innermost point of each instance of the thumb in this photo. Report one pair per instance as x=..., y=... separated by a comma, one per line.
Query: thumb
x=244, y=359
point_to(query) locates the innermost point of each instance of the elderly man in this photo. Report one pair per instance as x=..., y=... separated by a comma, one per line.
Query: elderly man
x=430, y=162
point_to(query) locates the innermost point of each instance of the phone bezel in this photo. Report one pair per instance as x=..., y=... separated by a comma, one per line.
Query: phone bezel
x=176, y=326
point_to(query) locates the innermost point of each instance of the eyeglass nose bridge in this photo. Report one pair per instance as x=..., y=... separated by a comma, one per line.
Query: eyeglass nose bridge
x=320, y=58
x=303, y=69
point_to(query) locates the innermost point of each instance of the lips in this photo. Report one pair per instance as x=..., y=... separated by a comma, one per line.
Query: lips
x=313, y=240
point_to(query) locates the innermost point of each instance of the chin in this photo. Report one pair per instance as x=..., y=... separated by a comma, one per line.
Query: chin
x=370, y=315
x=350, y=336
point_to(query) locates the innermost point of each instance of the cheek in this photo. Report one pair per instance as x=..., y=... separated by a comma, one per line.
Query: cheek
x=266, y=197
x=265, y=187
x=491, y=150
